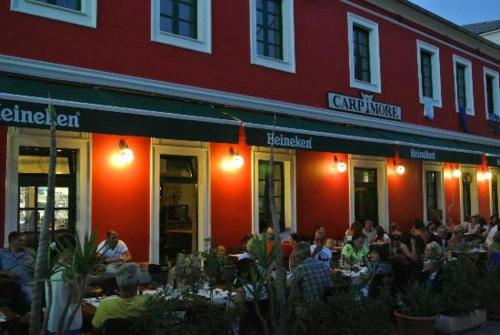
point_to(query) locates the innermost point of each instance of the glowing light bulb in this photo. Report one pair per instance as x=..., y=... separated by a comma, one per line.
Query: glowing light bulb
x=487, y=175
x=341, y=167
x=400, y=169
x=457, y=173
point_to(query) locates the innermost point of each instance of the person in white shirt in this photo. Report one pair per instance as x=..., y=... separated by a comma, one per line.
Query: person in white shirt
x=318, y=249
x=492, y=230
x=369, y=232
x=113, y=250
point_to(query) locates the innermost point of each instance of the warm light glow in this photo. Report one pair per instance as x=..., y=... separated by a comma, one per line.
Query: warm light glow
x=341, y=167
x=488, y=175
x=457, y=173
x=447, y=174
x=233, y=162
x=480, y=176
x=400, y=169
x=124, y=157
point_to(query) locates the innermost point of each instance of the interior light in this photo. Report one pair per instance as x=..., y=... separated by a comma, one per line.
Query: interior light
x=400, y=169
x=233, y=162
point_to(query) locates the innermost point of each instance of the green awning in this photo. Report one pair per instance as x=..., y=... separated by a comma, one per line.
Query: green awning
x=23, y=102
x=307, y=134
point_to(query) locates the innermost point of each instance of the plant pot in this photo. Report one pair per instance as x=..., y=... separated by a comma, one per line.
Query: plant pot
x=454, y=324
x=415, y=325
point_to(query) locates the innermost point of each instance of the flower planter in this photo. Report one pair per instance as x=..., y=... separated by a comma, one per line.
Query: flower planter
x=414, y=325
x=454, y=324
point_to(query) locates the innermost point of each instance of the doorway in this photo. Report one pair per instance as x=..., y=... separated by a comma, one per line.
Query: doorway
x=366, y=195
x=178, y=206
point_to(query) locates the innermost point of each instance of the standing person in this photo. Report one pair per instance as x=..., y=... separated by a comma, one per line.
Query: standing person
x=491, y=231
x=318, y=249
x=127, y=304
x=16, y=264
x=63, y=291
x=113, y=250
x=369, y=232
x=311, y=276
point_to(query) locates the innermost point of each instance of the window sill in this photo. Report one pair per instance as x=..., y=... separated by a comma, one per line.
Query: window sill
x=182, y=42
x=273, y=63
x=362, y=85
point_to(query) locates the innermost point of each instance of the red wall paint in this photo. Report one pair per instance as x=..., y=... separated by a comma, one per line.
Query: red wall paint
x=3, y=169
x=231, y=195
x=322, y=193
x=452, y=193
x=483, y=195
x=121, y=195
x=405, y=193
x=122, y=44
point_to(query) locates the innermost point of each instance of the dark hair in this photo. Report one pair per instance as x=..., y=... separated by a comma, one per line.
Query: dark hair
x=482, y=221
x=111, y=232
x=380, y=232
x=357, y=227
x=244, y=267
x=295, y=237
x=14, y=235
x=418, y=224
x=383, y=252
x=357, y=236
x=62, y=243
x=494, y=219
x=319, y=226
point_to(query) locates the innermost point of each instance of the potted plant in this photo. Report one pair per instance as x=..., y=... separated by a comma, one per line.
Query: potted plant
x=463, y=296
x=492, y=278
x=418, y=310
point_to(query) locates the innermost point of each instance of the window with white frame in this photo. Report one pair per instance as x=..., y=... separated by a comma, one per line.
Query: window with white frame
x=433, y=192
x=284, y=189
x=464, y=97
x=272, y=40
x=364, y=55
x=182, y=23
x=468, y=193
x=429, y=74
x=81, y=12
x=491, y=92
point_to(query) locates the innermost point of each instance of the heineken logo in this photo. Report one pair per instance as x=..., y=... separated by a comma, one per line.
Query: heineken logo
x=288, y=142
x=364, y=105
x=14, y=114
x=423, y=154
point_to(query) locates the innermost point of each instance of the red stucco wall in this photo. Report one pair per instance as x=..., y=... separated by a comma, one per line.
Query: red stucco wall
x=322, y=193
x=3, y=167
x=231, y=195
x=121, y=195
x=452, y=193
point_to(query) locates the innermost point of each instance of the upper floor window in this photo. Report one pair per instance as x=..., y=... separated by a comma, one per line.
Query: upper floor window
x=364, y=56
x=491, y=92
x=464, y=97
x=81, y=12
x=429, y=74
x=272, y=34
x=182, y=23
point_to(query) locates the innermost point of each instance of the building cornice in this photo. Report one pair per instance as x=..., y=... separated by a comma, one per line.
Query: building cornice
x=52, y=71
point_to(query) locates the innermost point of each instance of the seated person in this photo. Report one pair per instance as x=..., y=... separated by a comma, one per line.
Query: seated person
x=378, y=265
x=318, y=249
x=472, y=227
x=113, y=250
x=394, y=231
x=311, y=276
x=382, y=237
x=354, y=252
x=127, y=304
x=458, y=238
x=356, y=228
x=16, y=264
x=494, y=250
x=330, y=244
x=433, y=254
x=370, y=232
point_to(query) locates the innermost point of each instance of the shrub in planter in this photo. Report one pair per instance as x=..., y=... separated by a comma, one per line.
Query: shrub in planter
x=492, y=280
x=418, y=309
x=346, y=313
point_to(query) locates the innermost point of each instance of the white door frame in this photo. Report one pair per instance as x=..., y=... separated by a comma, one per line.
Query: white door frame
x=380, y=164
x=494, y=172
x=204, y=222
x=18, y=137
x=288, y=158
x=439, y=167
x=474, y=208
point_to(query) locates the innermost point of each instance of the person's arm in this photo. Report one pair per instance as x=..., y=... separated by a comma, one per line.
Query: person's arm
x=410, y=254
x=126, y=256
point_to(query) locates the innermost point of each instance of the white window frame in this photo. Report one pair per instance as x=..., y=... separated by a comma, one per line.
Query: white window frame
x=474, y=207
x=286, y=64
x=288, y=158
x=376, y=82
x=204, y=25
x=382, y=189
x=496, y=91
x=437, y=167
x=436, y=73
x=180, y=148
x=468, y=82
x=87, y=17
x=19, y=137
x=494, y=172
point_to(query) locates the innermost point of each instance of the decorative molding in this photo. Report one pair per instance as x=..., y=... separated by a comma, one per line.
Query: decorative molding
x=54, y=71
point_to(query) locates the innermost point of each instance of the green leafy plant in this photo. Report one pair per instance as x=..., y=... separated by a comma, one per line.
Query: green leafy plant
x=418, y=300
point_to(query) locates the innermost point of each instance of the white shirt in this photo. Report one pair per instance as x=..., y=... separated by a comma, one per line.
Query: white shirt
x=491, y=235
x=371, y=236
x=60, y=295
x=107, y=252
x=325, y=255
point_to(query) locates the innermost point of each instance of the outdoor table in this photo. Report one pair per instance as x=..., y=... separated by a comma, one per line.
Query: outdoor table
x=356, y=277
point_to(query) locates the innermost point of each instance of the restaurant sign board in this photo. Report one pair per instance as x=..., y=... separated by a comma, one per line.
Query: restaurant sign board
x=284, y=141
x=427, y=154
x=364, y=105
x=10, y=112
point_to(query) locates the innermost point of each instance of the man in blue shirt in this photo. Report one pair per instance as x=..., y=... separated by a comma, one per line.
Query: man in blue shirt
x=16, y=264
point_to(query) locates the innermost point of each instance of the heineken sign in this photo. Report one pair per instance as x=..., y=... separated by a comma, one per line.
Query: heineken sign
x=423, y=154
x=282, y=140
x=364, y=105
x=12, y=113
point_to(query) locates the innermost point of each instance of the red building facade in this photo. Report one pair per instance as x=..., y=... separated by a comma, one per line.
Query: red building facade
x=186, y=89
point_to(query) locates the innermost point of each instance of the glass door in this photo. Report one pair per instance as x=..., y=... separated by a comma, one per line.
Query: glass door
x=365, y=195
x=265, y=217
x=178, y=206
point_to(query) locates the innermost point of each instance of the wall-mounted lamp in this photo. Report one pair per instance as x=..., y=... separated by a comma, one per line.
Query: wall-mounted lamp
x=341, y=165
x=400, y=168
x=125, y=156
x=233, y=162
x=456, y=173
x=484, y=174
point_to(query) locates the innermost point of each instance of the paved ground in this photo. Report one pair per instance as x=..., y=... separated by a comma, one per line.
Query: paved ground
x=489, y=328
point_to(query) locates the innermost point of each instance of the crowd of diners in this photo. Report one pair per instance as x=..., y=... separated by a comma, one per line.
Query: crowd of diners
x=311, y=261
